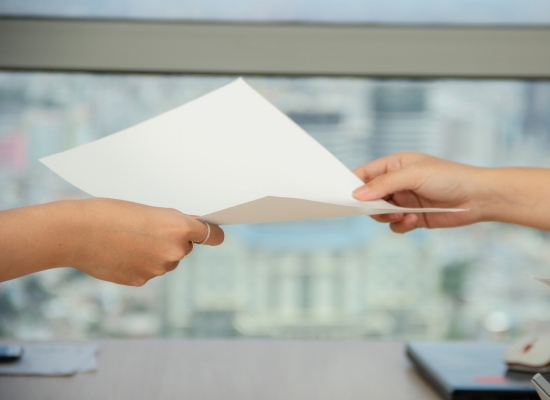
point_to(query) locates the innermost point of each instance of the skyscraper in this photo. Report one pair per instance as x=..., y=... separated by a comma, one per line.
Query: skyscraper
x=401, y=119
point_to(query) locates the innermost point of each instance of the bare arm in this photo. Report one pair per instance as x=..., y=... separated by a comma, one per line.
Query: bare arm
x=112, y=240
x=520, y=196
x=514, y=195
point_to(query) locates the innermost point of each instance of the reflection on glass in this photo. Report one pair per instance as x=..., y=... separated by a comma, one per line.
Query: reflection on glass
x=340, y=278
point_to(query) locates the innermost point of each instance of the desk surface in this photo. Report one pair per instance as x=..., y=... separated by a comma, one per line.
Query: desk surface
x=234, y=369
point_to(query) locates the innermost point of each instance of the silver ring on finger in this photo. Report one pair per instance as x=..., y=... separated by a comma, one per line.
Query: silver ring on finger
x=208, y=230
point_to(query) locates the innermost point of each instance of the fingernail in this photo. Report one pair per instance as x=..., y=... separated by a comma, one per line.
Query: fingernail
x=361, y=193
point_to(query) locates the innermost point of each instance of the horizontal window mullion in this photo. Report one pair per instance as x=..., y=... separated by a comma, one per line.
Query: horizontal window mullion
x=275, y=49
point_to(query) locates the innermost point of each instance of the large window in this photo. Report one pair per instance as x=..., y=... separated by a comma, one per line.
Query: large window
x=329, y=278
x=340, y=278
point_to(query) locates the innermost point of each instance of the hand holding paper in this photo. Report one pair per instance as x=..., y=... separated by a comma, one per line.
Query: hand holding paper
x=108, y=239
x=229, y=157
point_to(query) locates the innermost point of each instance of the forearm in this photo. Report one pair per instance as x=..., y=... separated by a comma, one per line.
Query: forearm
x=34, y=238
x=518, y=196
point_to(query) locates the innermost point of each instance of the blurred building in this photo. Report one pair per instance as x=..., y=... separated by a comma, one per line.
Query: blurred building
x=402, y=120
x=328, y=278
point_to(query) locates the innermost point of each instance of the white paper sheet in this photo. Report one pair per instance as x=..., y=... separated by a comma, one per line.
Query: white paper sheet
x=53, y=359
x=229, y=157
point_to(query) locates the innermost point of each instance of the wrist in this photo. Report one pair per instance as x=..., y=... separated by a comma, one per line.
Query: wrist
x=65, y=233
x=501, y=203
x=486, y=195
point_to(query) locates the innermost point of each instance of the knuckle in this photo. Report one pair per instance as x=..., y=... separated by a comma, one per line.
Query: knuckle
x=185, y=228
x=172, y=266
x=175, y=254
x=139, y=281
x=394, y=164
x=176, y=245
x=173, y=211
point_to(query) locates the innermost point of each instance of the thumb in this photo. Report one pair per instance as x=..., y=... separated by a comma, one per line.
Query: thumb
x=389, y=183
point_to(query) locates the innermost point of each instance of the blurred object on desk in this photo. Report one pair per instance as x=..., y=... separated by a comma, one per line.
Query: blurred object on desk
x=53, y=359
x=470, y=371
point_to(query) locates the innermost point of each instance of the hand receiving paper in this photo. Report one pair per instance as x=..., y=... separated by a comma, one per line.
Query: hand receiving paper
x=516, y=195
x=415, y=180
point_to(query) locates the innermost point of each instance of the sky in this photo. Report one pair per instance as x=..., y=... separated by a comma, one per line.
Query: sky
x=530, y=12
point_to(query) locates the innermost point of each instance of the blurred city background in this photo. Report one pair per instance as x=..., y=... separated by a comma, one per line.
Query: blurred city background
x=345, y=278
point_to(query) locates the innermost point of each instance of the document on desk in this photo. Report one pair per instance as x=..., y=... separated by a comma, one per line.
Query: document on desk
x=53, y=359
x=230, y=157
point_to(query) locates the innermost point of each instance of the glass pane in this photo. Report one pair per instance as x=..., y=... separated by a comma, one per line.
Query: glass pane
x=530, y=12
x=339, y=278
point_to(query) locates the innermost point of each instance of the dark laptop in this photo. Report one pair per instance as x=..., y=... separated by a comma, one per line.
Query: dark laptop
x=470, y=371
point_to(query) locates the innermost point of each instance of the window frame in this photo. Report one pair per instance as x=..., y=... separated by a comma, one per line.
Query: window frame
x=292, y=49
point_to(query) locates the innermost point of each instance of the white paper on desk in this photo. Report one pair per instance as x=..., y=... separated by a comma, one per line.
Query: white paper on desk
x=53, y=359
x=229, y=157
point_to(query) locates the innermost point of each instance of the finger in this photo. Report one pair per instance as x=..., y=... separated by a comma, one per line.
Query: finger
x=394, y=217
x=407, y=224
x=172, y=266
x=200, y=231
x=376, y=217
x=389, y=183
x=374, y=168
x=386, y=164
